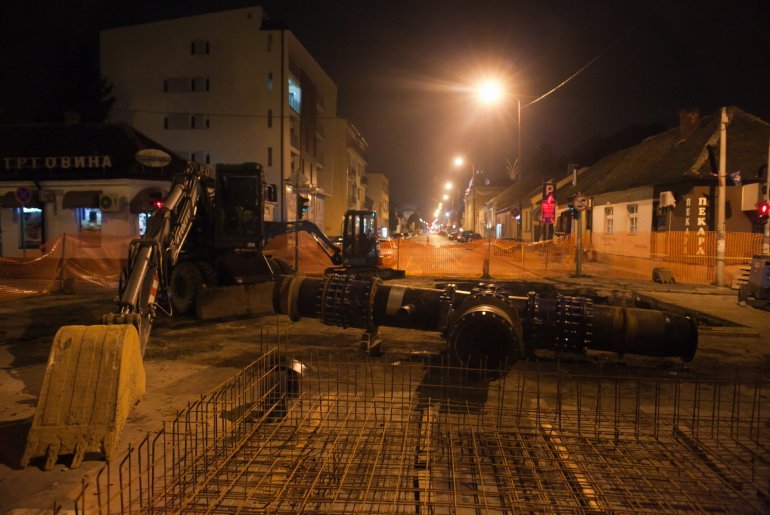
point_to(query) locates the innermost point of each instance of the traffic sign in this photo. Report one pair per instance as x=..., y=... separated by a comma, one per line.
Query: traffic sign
x=580, y=202
x=23, y=196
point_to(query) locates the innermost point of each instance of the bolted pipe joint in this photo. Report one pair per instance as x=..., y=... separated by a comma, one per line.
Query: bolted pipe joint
x=485, y=331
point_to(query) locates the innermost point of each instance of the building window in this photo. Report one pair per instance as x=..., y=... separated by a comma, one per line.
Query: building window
x=269, y=156
x=199, y=47
x=269, y=117
x=633, y=218
x=89, y=226
x=200, y=156
x=199, y=121
x=176, y=85
x=270, y=81
x=181, y=121
x=269, y=42
x=609, y=222
x=295, y=96
x=199, y=84
x=31, y=227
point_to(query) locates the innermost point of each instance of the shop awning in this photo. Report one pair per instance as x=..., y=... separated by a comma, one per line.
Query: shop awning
x=74, y=199
x=9, y=200
x=143, y=200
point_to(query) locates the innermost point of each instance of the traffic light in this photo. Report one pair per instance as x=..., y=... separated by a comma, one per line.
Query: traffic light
x=302, y=206
x=763, y=210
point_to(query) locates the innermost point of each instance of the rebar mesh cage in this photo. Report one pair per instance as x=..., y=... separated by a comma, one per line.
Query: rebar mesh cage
x=331, y=434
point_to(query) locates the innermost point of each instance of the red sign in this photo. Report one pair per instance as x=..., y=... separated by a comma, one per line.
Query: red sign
x=23, y=196
x=548, y=210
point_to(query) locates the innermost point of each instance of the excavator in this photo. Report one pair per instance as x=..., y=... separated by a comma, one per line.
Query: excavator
x=202, y=252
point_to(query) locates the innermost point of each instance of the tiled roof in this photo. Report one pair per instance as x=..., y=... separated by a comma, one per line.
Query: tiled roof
x=119, y=140
x=669, y=157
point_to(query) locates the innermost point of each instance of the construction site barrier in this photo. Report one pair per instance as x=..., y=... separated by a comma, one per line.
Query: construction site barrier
x=690, y=257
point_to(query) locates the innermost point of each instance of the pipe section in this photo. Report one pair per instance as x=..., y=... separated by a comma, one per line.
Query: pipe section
x=487, y=327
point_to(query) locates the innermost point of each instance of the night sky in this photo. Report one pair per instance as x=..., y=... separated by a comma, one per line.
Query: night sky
x=403, y=70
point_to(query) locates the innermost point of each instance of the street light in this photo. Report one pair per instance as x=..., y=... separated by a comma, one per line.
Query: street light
x=489, y=91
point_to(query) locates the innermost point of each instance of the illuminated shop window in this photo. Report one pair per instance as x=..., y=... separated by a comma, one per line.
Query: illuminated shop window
x=142, y=219
x=90, y=226
x=31, y=227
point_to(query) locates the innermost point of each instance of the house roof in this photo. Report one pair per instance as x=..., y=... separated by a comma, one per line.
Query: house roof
x=517, y=193
x=119, y=141
x=672, y=157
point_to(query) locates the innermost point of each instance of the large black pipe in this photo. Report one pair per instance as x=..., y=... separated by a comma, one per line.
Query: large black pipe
x=486, y=326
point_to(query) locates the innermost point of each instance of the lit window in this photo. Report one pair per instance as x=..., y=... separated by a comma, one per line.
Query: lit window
x=31, y=227
x=89, y=226
x=270, y=80
x=295, y=95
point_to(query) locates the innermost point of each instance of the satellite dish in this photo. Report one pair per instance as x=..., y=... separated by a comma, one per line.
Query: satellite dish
x=153, y=158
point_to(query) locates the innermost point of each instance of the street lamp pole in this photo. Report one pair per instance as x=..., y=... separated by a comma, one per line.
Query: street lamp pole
x=518, y=135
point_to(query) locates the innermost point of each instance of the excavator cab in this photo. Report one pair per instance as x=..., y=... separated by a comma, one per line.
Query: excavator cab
x=239, y=205
x=359, y=240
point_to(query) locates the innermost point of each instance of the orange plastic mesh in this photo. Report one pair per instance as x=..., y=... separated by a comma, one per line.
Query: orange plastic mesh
x=689, y=256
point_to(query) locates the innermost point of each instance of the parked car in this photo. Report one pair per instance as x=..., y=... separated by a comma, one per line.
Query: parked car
x=453, y=235
x=467, y=236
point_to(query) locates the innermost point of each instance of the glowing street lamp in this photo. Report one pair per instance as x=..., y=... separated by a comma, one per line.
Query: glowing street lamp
x=490, y=91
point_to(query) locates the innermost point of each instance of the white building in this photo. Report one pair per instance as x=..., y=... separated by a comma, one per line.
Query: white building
x=79, y=180
x=227, y=87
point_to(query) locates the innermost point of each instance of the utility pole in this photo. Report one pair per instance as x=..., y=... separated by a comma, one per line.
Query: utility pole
x=766, y=235
x=722, y=179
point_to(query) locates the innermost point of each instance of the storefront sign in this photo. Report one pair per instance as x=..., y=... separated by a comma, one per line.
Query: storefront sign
x=548, y=210
x=696, y=221
x=56, y=162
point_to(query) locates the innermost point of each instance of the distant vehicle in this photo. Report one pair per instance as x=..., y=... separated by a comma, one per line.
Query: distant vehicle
x=442, y=232
x=453, y=235
x=466, y=236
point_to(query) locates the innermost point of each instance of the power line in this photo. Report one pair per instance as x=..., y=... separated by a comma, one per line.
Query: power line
x=565, y=81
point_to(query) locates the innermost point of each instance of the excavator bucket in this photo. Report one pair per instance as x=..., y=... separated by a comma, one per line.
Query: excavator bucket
x=93, y=378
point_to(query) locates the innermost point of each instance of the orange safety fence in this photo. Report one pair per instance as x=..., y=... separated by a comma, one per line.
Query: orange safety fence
x=691, y=257
x=63, y=260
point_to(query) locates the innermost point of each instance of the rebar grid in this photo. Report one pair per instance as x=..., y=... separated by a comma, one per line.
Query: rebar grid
x=354, y=435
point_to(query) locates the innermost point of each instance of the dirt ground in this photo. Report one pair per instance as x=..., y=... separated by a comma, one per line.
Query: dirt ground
x=187, y=358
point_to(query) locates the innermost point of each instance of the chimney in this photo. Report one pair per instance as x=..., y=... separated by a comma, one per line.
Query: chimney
x=689, y=117
x=71, y=117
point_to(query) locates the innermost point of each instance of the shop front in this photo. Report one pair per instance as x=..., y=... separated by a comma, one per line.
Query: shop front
x=81, y=181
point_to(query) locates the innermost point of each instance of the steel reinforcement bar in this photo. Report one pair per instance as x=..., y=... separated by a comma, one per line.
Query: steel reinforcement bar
x=328, y=434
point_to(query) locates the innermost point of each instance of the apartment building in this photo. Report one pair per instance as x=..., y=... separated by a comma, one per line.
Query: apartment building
x=348, y=167
x=229, y=87
x=377, y=188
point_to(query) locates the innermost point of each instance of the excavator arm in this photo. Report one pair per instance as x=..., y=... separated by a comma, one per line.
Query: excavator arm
x=273, y=229
x=95, y=373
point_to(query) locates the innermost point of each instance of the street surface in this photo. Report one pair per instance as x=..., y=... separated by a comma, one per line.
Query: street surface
x=187, y=358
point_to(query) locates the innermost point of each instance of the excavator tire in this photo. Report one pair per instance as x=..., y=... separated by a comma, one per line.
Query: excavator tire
x=208, y=273
x=93, y=378
x=186, y=281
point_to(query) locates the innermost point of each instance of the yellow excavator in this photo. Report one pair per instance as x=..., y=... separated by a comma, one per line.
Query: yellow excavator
x=202, y=252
